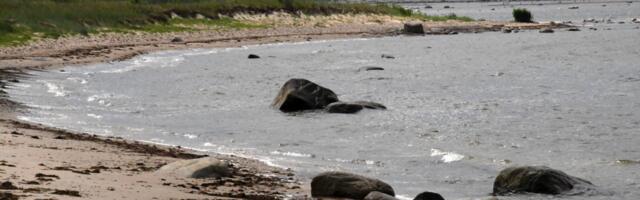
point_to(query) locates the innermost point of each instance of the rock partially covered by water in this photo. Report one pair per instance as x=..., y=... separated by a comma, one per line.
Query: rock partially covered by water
x=253, y=56
x=370, y=68
x=535, y=179
x=370, y=105
x=197, y=168
x=302, y=94
x=546, y=30
x=428, y=196
x=573, y=29
x=413, y=28
x=375, y=195
x=346, y=185
x=344, y=107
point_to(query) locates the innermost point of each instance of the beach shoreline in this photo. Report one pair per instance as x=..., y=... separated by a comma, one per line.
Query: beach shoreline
x=23, y=140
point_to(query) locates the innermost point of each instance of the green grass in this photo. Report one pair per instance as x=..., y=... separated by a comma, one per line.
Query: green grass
x=24, y=20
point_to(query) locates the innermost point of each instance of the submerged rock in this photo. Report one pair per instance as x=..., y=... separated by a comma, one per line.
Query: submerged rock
x=546, y=30
x=573, y=29
x=370, y=68
x=413, y=28
x=346, y=185
x=302, y=94
x=370, y=105
x=375, y=195
x=253, y=56
x=535, y=179
x=197, y=168
x=344, y=107
x=387, y=56
x=428, y=196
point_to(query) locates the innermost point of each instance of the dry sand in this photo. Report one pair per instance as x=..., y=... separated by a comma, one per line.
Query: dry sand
x=38, y=162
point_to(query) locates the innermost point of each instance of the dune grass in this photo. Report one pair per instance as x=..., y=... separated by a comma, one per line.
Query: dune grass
x=23, y=20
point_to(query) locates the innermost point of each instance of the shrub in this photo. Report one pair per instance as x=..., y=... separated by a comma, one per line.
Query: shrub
x=522, y=15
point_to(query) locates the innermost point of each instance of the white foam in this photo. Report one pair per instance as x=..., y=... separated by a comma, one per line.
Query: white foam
x=292, y=154
x=78, y=80
x=57, y=90
x=447, y=157
x=190, y=136
x=157, y=60
x=94, y=116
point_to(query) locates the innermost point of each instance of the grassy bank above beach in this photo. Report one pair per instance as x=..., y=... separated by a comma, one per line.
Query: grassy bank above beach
x=23, y=21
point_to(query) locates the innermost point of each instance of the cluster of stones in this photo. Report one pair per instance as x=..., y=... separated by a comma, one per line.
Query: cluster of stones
x=301, y=94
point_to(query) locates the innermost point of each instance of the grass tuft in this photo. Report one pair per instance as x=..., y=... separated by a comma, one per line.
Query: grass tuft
x=522, y=15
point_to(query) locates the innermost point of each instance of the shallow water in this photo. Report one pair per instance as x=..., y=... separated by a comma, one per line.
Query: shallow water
x=541, y=10
x=461, y=108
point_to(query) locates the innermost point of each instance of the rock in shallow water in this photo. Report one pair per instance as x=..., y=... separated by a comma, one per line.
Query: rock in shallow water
x=197, y=168
x=344, y=107
x=535, y=179
x=546, y=30
x=253, y=56
x=370, y=68
x=302, y=94
x=428, y=196
x=346, y=185
x=370, y=105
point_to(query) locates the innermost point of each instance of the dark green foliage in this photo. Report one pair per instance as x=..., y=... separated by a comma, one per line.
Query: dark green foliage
x=522, y=15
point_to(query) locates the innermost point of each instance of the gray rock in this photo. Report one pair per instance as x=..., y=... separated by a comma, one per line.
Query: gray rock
x=302, y=94
x=546, y=30
x=574, y=7
x=506, y=30
x=177, y=39
x=370, y=68
x=387, y=56
x=413, y=28
x=375, y=195
x=197, y=168
x=428, y=196
x=535, y=179
x=343, y=107
x=346, y=185
x=370, y=105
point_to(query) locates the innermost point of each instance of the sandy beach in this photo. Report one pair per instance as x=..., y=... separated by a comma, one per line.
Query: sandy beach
x=39, y=162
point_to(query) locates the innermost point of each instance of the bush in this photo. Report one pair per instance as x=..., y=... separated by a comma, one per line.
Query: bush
x=522, y=15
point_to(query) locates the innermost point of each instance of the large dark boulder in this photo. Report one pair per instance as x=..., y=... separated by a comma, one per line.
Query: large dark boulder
x=413, y=28
x=344, y=107
x=302, y=94
x=429, y=196
x=535, y=179
x=346, y=185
